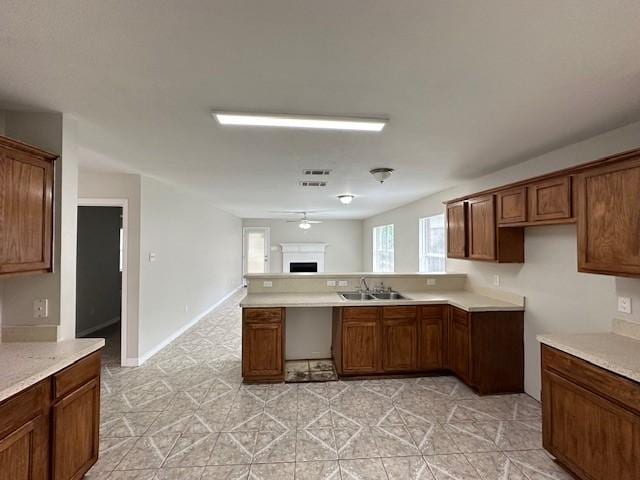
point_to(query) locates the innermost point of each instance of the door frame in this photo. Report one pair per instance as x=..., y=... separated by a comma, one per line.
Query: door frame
x=267, y=240
x=124, y=204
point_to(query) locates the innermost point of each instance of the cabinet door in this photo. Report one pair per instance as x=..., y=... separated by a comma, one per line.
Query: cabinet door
x=609, y=219
x=399, y=344
x=26, y=199
x=550, y=199
x=482, y=228
x=360, y=346
x=459, y=344
x=431, y=338
x=262, y=354
x=512, y=205
x=76, y=420
x=592, y=436
x=457, y=230
x=24, y=452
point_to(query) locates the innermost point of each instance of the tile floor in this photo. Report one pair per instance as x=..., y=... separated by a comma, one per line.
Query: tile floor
x=186, y=415
x=301, y=371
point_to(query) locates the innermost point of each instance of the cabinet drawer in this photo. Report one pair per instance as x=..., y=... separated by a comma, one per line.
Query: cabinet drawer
x=360, y=313
x=431, y=311
x=607, y=384
x=76, y=375
x=263, y=314
x=460, y=316
x=399, y=312
x=28, y=404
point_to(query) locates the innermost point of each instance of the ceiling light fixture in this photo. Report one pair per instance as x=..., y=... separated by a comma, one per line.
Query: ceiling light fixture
x=300, y=121
x=346, y=199
x=304, y=225
x=381, y=174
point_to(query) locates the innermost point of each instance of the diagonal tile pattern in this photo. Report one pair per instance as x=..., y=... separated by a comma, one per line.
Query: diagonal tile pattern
x=186, y=415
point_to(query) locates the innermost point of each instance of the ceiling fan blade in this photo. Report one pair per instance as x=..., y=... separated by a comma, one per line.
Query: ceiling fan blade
x=314, y=221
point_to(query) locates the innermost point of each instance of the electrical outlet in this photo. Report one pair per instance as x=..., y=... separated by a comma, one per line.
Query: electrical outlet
x=267, y=283
x=496, y=280
x=431, y=281
x=343, y=283
x=41, y=308
x=624, y=304
x=331, y=283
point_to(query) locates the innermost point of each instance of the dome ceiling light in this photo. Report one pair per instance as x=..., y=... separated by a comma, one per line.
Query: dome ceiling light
x=381, y=174
x=346, y=198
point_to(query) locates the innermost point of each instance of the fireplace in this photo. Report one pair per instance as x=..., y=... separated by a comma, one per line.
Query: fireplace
x=303, y=257
x=303, y=267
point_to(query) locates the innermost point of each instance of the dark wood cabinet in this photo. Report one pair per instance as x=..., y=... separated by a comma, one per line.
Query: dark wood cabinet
x=399, y=339
x=431, y=337
x=457, y=230
x=481, y=236
x=51, y=430
x=26, y=208
x=459, y=344
x=263, y=344
x=361, y=347
x=550, y=200
x=591, y=418
x=512, y=206
x=609, y=218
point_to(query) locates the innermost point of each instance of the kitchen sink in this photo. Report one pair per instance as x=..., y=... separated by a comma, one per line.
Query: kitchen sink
x=389, y=296
x=357, y=296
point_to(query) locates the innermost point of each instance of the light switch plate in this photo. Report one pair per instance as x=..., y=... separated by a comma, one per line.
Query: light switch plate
x=431, y=281
x=152, y=256
x=267, y=283
x=41, y=308
x=624, y=304
x=343, y=283
x=496, y=280
x=331, y=283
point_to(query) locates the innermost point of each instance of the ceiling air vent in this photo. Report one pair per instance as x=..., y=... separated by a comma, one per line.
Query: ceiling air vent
x=313, y=183
x=323, y=172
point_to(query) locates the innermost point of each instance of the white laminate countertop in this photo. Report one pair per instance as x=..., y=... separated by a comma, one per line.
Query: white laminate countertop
x=617, y=353
x=471, y=302
x=23, y=364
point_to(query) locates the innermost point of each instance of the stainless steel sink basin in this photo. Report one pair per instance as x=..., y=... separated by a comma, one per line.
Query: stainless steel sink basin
x=389, y=296
x=357, y=296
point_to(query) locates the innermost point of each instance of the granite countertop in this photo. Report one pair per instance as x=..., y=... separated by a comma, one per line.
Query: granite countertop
x=26, y=363
x=617, y=353
x=471, y=302
x=352, y=274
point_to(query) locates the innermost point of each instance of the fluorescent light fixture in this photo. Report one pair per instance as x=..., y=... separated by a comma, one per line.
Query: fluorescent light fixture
x=300, y=121
x=346, y=199
x=304, y=225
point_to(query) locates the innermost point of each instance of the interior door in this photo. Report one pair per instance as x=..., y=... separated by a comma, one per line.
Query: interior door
x=256, y=251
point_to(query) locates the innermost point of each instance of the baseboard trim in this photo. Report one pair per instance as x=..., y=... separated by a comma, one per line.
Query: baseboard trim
x=89, y=330
x=143, y=358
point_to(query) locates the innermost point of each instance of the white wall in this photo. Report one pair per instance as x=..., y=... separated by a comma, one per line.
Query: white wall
x=558, y=298
x=198, y=252
x=122, y=186
x=343, y=254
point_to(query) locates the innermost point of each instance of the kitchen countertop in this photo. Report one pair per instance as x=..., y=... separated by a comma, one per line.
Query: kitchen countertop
x=26, y=363
x=617, y=353
x=469, y=301
x=352, y=274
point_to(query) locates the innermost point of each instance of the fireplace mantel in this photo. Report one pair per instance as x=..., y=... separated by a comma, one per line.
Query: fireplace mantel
x=303, y=252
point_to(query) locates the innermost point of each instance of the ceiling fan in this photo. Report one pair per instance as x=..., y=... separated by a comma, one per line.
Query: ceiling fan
x=304, y=223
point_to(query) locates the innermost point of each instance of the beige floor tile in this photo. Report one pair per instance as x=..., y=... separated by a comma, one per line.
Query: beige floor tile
x=407, y=468
x=318, y=470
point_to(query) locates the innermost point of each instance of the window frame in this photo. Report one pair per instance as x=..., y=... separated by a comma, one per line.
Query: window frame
x=425, y=236
x=375, y=250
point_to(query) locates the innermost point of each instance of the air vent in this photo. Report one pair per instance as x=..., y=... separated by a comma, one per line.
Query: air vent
x=323, y=172
x=313, y=183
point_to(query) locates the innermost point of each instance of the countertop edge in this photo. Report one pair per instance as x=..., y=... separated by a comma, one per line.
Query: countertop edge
x=591, y=357
x=50, y=370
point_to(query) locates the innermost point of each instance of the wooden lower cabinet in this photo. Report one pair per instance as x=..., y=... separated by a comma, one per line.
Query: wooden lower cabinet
x=459, y=344
x=591, y=421
x=432, y=337
x=263, y=344
x=43, y=436
x=399, y=339
x=361, y=347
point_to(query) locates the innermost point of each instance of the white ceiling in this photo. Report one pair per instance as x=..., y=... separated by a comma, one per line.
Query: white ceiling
x=469, y=87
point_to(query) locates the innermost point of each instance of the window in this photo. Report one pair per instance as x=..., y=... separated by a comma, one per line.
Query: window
x=383, y=248
x=432, y=244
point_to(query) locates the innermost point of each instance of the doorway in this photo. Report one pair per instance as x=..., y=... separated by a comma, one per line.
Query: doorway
x=256, y=250
x=101, y=275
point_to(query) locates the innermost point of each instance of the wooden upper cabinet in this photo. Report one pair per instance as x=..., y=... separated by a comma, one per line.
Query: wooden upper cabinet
x=512, y=205
x=482, y=228
x=550, y=199
x=609, y=218
x=26, y=208
x=457, y=230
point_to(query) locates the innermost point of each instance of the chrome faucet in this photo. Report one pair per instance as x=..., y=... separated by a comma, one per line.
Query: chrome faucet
x=363, y=282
